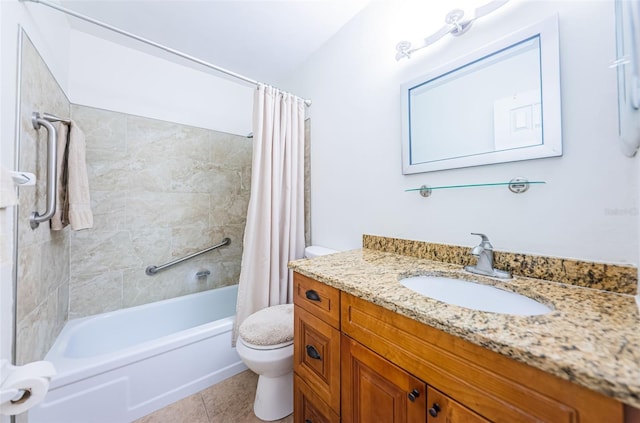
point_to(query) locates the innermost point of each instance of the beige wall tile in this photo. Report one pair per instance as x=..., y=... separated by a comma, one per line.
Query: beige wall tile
x=108, y=209
x=54, y=267
x=30, y=291
x=43, y=256
x=37, y=331
x=102, y=251
x=152, y=246
x=186, y=240
x=108, y=170
x=103, y=129
x=233, y=151
x=93, y=293
x=163, y=209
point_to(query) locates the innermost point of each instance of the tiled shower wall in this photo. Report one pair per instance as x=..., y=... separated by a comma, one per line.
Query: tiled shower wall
x=159, y=191
x=43, y=256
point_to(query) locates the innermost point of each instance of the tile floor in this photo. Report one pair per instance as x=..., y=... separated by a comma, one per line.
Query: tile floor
x=230, y=401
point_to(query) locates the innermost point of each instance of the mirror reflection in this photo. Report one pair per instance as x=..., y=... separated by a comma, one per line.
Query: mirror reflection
x=499, y=96
x=484, y=108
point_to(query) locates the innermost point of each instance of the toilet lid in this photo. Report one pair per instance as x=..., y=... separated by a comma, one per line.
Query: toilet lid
x=269, y=326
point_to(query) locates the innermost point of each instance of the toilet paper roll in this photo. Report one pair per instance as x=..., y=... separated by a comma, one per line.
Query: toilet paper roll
x=32, y=379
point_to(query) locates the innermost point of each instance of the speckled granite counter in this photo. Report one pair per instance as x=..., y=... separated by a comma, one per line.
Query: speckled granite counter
x=591, y=337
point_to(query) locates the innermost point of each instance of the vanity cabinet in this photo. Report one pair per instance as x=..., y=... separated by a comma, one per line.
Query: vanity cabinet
x=375, y=365
x=468, y=382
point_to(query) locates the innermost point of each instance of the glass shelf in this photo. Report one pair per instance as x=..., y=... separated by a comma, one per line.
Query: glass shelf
x=516, y=185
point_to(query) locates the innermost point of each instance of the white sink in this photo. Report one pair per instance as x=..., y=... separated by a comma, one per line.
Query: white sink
x=475, y=296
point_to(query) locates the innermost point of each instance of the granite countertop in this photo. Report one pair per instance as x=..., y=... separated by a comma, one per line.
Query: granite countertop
x=591, y=337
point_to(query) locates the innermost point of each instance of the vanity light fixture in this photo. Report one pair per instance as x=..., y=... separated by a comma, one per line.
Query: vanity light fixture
x=455, y=24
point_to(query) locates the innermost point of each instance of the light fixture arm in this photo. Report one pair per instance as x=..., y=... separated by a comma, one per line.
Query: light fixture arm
x=455, y=24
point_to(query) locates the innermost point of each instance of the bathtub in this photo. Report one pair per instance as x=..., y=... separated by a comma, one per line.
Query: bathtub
x=118, y=366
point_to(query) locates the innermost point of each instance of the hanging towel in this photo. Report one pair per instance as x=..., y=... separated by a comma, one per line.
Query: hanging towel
x=8, y=196
x=73, y=202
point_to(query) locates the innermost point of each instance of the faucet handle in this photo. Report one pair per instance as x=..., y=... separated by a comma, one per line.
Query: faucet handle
x=485, y=240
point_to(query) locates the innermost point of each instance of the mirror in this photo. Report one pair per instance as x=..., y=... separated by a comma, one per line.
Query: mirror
x=628, y=64
x=498, y=104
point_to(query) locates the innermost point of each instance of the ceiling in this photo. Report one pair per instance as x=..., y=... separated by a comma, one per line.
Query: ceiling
x=264, y=40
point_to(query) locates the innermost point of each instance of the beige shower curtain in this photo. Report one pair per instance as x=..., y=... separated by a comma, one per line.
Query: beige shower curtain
x=274, y=233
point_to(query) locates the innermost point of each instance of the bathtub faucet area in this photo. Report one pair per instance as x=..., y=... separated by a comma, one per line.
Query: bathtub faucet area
x=203, y=274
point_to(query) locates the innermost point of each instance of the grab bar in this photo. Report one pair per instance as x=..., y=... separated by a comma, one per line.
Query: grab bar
x=52, y=177
x=152, y=270
x=45, y=120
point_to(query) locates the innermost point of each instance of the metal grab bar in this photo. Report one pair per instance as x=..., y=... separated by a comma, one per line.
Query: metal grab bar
x=152, y=270
x=52, y=173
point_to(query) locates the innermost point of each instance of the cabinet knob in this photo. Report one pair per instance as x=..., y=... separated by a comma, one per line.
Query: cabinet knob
x=312, y=352
x=308, y=421
x=413, y=395
x=312, y=295
x=433, y=411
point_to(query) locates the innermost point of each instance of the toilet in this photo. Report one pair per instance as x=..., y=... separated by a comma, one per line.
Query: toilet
x=265, y=345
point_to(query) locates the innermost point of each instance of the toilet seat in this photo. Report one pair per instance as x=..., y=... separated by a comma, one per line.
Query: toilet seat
x=265, y=347
x=268, y=329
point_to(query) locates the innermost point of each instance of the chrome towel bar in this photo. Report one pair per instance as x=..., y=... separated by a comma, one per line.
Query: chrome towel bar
x=152, y=270
x=45, y=120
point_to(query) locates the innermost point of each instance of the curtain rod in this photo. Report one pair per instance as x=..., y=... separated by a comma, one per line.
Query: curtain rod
x=149, y=42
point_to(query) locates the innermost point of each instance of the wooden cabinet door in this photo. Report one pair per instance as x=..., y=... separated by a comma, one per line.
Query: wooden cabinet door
x=443, y=409
x=308, y=407
x=375, y=390
x=316, y=356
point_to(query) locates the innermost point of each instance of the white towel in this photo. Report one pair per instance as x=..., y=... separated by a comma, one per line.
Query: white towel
x=8, y=196
x=73, y=202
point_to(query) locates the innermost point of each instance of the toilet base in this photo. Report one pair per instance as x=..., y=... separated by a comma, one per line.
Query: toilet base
x=274, y=397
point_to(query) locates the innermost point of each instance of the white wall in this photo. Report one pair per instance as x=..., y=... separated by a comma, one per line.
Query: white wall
x=50, y=33
x=107, y=75
x=586, y=209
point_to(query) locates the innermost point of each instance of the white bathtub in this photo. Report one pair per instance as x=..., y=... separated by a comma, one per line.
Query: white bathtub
x=119, y=366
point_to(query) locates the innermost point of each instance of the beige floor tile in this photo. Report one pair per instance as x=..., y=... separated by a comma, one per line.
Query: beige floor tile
x=253, y=419
x=230, y=401
x=188, y=410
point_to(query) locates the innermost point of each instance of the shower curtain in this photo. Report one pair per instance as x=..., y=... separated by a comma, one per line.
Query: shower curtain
x=274, y=233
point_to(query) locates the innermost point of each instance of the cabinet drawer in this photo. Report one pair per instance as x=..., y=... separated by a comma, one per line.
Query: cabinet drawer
x=317, y=298
x=308, y=407
x=316, y=356
x=443, y=409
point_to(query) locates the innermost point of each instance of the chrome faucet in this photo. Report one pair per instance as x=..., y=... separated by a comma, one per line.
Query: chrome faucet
x=484, y=252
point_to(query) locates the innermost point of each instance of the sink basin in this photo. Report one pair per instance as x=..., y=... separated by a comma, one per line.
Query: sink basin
x=475, y=296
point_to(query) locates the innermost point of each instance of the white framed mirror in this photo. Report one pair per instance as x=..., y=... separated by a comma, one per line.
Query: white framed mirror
x=628, y=64
x=500, y=103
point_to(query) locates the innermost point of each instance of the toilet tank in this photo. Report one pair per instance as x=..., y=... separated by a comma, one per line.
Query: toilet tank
x=316, y=250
